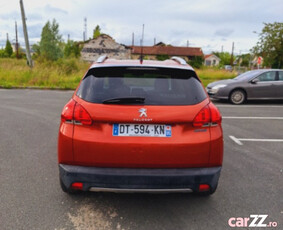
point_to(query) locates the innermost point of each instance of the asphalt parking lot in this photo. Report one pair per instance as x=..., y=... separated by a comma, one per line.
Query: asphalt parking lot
x=31, y=198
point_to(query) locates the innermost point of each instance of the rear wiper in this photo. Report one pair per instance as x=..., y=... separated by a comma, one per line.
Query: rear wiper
x=124, y=100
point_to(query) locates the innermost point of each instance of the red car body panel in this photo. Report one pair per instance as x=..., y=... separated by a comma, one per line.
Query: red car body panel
x=96, y=146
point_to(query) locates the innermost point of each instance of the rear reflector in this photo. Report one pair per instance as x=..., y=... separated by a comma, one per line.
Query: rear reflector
x=209, y=115
x=77, y=186
x=203, y=187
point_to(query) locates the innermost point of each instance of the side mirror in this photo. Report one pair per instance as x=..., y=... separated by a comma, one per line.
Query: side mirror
x=255, y=80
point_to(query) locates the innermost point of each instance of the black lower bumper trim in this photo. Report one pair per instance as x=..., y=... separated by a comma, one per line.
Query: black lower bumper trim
x=129, y=178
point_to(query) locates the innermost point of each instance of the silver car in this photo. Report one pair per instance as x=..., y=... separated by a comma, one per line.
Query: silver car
x=266, y=84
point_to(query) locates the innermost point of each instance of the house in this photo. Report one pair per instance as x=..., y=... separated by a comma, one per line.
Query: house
x=211, y=60
x=104, y=45
x=153, y=52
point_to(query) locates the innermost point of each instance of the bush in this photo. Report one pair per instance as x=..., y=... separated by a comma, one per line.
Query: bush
x=66, y=66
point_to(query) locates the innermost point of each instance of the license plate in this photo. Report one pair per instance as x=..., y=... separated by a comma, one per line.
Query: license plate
x=142, y=130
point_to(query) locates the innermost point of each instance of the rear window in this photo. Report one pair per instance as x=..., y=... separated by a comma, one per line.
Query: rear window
x=156, y=86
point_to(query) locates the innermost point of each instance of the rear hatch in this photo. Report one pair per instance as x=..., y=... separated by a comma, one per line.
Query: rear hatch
x=141, y=117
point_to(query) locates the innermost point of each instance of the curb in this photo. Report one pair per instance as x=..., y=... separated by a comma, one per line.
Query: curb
x=34, y=87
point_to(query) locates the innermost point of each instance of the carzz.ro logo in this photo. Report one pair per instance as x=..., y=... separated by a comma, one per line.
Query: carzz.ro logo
x=252, y=221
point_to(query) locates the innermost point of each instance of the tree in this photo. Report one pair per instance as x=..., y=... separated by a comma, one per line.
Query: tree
x=225, y=58
x=72, y=49
x=162, y=57
x=50, y=43
x=270, y=44
x=8, y=49
x=196, y=62
x=96, y=32
x=244, y=59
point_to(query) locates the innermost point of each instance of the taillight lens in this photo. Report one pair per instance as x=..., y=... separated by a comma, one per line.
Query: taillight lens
x=81, y=115
x=202, y=118
x=216, y=117
x=209, y=115
x=74, y=112
x=68, y=111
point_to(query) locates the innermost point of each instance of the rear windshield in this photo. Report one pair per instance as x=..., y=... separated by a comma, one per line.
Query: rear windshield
x=156, y=86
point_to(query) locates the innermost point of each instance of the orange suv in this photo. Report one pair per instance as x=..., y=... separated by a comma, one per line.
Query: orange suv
x=140, y=127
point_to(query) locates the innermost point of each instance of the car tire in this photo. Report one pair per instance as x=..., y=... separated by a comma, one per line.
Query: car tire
x=67, y=190
x=237, y=97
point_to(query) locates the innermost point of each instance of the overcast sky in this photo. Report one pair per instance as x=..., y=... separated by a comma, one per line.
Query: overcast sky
x=209, y=24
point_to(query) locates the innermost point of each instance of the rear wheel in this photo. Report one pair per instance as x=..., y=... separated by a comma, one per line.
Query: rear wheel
x=237, y=97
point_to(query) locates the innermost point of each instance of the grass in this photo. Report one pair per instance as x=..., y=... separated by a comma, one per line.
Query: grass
x=208, y=75
x=63, y=74
x=66, y=74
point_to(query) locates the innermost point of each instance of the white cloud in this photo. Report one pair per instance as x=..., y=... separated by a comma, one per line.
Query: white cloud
x=207, y=24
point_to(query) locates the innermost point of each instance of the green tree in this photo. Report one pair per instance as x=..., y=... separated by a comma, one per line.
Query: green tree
x=8, y=49
x=96, y=32
x=72, y=49
x=225, y=58
x=162, y=57
x=50, y=43
x=244, y=59
x=196, y=62
x=270, y=44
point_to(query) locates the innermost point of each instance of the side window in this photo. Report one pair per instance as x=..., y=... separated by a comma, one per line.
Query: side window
x=280, y=75
x=268, y=76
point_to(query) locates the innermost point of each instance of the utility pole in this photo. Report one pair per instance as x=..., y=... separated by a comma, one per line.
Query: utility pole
x=85, y=29
x=17, y=44
x=7, y=36
x=222, y=49
x=141, y=57
x=133, y=39
x=154, y=41
x=29, y=60
x=231, y=61
x=188, y=43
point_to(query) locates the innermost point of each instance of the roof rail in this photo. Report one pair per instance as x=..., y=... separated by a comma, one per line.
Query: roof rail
x=179, y=60
x=101, y=59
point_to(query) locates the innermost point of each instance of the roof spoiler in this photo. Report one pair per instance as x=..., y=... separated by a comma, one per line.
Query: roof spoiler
x=179, y=60
x=102, y=59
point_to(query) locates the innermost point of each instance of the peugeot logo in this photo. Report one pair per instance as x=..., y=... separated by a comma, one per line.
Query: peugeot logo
x=143, y=112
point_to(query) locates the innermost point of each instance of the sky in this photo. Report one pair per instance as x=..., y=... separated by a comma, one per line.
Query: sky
x=212, y=25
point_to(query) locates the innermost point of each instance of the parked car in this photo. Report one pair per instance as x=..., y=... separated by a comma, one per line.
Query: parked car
x=260, y=84
x=140, y=127
x=228, y=68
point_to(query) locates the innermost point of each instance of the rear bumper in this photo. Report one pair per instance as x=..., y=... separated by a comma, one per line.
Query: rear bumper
x=128, y=179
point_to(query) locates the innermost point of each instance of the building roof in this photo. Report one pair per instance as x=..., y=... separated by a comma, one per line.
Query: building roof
x=211, y=55
x=168, y=50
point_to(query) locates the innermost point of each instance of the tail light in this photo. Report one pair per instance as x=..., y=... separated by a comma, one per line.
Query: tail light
x=75, y=113
x=68, y=111
x=216, y=117
x=81, y=115
x=208, y=116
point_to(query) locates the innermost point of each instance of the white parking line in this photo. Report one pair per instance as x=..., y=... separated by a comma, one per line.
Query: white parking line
x=249, y=106
x=255, y=118
x=240, y=140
